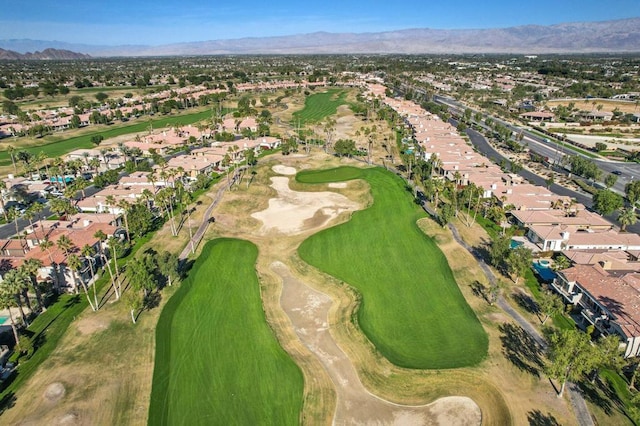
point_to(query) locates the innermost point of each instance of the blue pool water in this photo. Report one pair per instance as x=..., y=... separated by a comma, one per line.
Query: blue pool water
x=3, y=318
x=543, y=270
x=515, y=244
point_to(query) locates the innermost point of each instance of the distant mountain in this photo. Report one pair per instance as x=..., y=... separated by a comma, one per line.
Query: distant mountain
x=578, y=37
x=48, y=53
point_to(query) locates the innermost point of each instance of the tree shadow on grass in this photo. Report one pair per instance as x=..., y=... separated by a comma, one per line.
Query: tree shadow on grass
x=526, y=302
x=7, y=401
x=521, y=349
x=536, y=418
x=600, y=394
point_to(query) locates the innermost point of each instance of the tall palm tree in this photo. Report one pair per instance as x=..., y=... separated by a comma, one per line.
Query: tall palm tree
x=124, y=205
x=65, y=244
x=100, y=235
x=627, y=217
x=46, y=245
x=113, y=251
x=12, y=153
x=15, y=283
x=30, y=268
x=3, y=187
x=186, y=199
x=111, y=202
x=74, y=263
x=8, y=301
x=88, y=252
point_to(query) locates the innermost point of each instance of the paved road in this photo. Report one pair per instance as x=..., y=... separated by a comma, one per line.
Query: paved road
x=9, y=230
x=482, y=145
x=551, y=149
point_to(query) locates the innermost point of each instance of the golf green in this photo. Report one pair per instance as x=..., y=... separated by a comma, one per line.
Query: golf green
x=411, y=307
x=217, y=361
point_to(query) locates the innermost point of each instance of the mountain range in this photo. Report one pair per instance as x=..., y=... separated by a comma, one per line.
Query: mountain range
x=617, y=36
x=48, y=53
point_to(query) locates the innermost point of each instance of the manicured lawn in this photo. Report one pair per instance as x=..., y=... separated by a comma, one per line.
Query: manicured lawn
x=57, y=146
x=320, y=105
x=217, y=360
x=411, y=308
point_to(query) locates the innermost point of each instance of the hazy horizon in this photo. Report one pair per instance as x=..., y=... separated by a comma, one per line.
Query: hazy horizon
x=161, y=22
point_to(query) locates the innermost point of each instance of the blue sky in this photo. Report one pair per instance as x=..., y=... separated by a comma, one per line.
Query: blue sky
x=111, y=22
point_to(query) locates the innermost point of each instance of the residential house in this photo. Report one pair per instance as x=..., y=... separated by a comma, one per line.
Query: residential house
x=607, y=299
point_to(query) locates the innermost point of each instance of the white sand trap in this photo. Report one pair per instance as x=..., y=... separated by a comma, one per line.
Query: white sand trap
x=291, y=209
x=284, y=170
x=54, y=392
x=338, y=185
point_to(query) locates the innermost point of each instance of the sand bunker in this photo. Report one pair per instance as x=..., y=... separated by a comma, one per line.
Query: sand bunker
x=284, y=170
x=54, y=392
x=338, y=185
x=293, y=212
x=308, y=310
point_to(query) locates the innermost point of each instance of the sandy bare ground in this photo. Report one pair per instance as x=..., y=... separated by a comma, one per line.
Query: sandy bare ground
x=308, y=310
x=294, y=212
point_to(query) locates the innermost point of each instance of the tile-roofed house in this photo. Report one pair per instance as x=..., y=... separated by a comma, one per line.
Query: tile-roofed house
x=607, y=299
x=582, y=218
x=571, y=237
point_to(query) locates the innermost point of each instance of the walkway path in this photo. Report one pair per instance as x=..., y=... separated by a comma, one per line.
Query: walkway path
x=197, y=237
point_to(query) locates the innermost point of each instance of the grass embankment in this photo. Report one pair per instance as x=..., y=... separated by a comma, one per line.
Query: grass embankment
x=320, y=105
x=217, y=361
x=411, y=308
x=58, y=145
x=45, y=331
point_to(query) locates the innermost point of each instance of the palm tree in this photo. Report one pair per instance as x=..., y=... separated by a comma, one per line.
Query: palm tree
x=7, y=301
x=147, y=196
x=45, y=245
x=110, y=200
x=112, y=242
x=186, y=199
x=100, y=235
x=124, y=205
x=74, y=263
x=88, y=252
x=30, y=269
x=94, y=164
x=14, y=215
x=627, y=217
x=3, y=187
x=15, y=283
x=65, y=244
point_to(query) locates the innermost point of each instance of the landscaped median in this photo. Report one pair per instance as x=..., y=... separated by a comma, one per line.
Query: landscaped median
x=411, y=306
x=217, y=360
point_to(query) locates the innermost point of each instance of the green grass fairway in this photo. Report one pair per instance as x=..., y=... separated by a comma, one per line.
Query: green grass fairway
x=412, y=308
x=320, y=105
x=217, y=361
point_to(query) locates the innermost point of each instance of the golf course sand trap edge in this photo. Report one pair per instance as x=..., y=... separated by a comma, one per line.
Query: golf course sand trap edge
x=292, y=212
x=308, y=311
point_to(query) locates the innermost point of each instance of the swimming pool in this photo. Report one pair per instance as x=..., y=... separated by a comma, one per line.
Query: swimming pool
x=515, y=244
x=3, y=319
x=543, y=269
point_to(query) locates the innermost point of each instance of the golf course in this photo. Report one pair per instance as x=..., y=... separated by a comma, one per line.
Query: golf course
x=217, y=360
x=411, y=307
